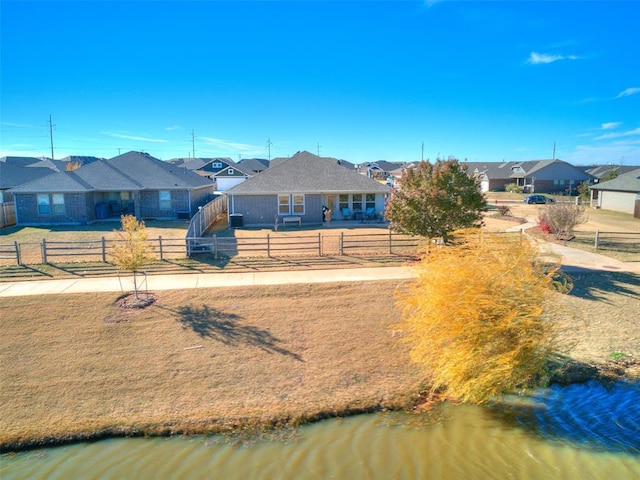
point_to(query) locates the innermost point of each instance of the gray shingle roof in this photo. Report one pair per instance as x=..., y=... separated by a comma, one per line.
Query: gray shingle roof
x=629, y=182
x=253, y=164
x=13, y=175
x=307, y=173
x=130, y=171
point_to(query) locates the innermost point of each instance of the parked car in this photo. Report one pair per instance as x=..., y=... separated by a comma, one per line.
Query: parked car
x=538, y=199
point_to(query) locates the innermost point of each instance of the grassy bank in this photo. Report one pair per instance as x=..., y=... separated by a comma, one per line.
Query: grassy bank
x=218, y=360
x=77, y=366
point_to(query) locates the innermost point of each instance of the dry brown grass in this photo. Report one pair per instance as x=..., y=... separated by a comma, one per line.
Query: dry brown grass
x=75, y=366
x=213, y=360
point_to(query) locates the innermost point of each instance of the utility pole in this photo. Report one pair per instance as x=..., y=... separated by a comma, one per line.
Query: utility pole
x=51, y=135
x=554, y=151
x=269, y=147
x=318, y=146
x=193, y=143
x=422, y=156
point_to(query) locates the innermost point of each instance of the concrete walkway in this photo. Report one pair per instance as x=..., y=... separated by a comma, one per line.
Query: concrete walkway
x=194, y=280
x=575, y=260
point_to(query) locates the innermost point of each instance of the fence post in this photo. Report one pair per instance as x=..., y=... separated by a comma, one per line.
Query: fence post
x=390, y=243
x=17, y=247
x=215, y=246
x=595, y=244
x=44, y=250
x=319, y=245
x=341, y=245
x=268, y=246
x=160, y=246
x=104, y=250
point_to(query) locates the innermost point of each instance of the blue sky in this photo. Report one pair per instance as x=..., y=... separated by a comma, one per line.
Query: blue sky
x=361, y=80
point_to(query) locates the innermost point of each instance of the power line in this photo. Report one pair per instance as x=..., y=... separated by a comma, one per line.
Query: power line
x=269, y=147
x=51, y=136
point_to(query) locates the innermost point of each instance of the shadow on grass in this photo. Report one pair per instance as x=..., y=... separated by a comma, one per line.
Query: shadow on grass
x=226, y=328
x=594, y=284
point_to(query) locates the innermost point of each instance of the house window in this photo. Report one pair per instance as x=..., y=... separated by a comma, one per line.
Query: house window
x=343, y=202
x=291, y=204
x=44, y=204
x=370, y=200
x=230, y=171
x=165, y=200
x=298, y=204
x=284, y=207
x=51, y=204
x=357, y=202
x=58, y=203
x=216, y=165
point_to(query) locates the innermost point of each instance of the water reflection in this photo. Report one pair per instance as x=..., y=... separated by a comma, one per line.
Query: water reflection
x=538, y=437
x=593, y=415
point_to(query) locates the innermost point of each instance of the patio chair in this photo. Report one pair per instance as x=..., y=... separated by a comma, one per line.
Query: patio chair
x=370, y=214
x=346, y=214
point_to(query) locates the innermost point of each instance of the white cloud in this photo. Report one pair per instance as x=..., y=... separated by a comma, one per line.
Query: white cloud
x=139, y=138
x=542, y=58
x=629, y=91
x=627, y=152
x=628, y=133
x=610, y=125
x=173, y=127
x=230, y=145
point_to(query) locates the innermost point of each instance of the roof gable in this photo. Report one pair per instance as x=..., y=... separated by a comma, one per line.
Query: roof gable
x=308, y=173
x=152, y=173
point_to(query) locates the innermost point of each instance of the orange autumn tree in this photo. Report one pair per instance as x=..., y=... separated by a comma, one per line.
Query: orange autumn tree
x=133, y=249
x=479, y=316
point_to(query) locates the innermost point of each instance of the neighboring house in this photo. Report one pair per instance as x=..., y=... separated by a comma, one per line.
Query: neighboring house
x=13, y=174
x=132, y=183
x=622, y=194
x=231, y=176
x=300, y=186
x=601, y=171
x=223, y=172
x=548, y=176
x=379, y=170
x=205, y=167
x=255, y=165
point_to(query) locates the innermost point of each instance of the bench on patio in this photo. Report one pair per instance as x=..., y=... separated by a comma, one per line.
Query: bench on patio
x=286, y=220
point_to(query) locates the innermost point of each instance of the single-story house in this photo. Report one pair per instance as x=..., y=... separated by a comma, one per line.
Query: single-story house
x=230, y=176
x=599, y=172
x=131, y=183
x=299, y=187
x=13, y=174
x=223, y=172
x=380, y=169
x=622, y=194
x=548, y=176
x=255, y=165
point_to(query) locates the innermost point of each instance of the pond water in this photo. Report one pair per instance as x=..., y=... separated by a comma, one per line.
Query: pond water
x=576, y=432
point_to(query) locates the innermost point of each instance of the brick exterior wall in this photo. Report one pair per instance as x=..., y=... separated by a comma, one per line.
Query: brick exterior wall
x=76, y=212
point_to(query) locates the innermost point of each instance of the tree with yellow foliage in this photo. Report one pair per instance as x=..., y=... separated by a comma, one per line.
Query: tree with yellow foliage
x=133, y=249
x=478, y=317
